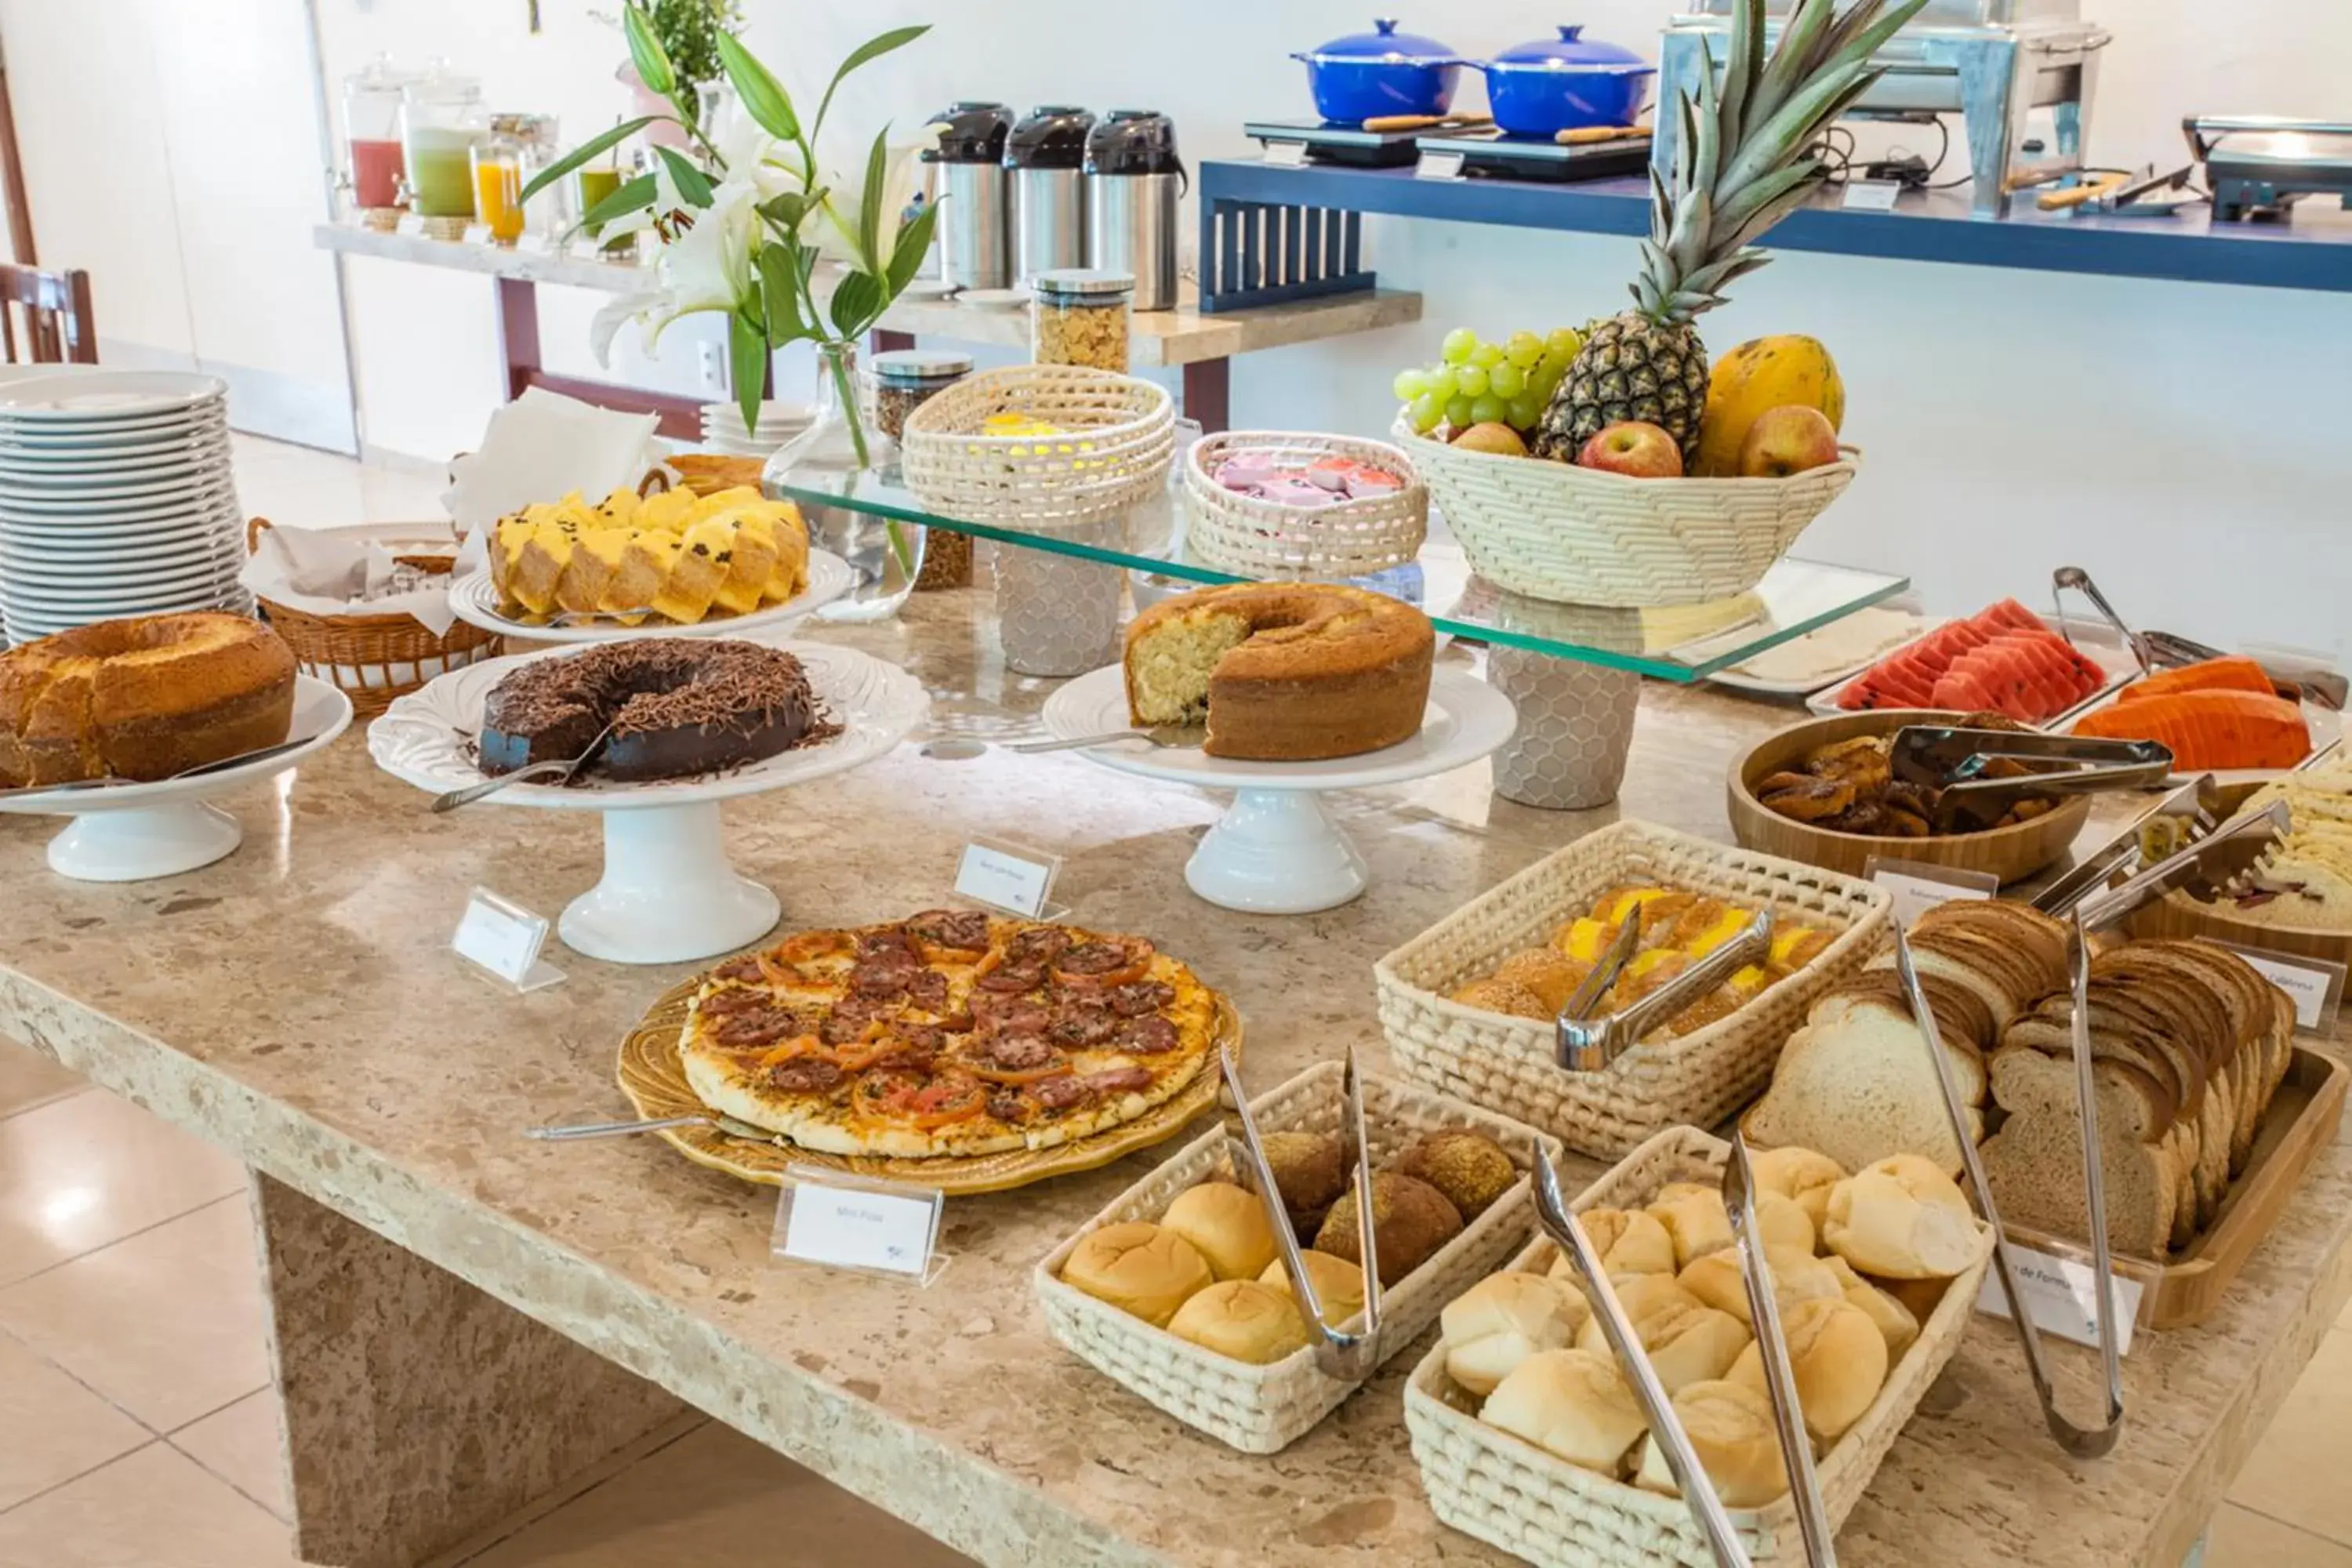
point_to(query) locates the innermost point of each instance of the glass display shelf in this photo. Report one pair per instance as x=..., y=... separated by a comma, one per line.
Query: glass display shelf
x=1682, y=643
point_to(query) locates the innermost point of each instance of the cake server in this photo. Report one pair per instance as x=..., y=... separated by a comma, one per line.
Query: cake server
x=1158, y=735
x=111, y=780
x=559, y=771
x=2082, y=1442
x=1780, y=1381
x=1697, y=1490
x=1582, y=1045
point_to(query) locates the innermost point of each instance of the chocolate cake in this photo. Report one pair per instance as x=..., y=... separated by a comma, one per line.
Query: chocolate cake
x=677, y=706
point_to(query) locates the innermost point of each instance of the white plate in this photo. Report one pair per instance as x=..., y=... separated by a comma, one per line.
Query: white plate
x=108, y=396
x=29, y=443
x=95, y=576
x=320, y=713
x=114, y=482
x=928, y=289
x=103, y=603
x=425, y=737
x=204, y=490
x=51, y=464
x=476, y=603
x=993, y=298
x=147, y=538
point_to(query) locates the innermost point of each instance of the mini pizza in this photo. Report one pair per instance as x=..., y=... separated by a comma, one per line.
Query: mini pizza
x=950, y=1034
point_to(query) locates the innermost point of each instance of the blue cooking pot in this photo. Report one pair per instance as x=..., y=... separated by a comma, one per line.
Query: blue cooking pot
x=1367, y=75
x=1565, y=83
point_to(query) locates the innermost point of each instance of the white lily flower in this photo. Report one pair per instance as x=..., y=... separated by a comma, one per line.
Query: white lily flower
x=707, y=266
x=842, y=215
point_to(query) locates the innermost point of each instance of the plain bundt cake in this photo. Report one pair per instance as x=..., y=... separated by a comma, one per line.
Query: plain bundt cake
x=1283, y=671
x=142, y=699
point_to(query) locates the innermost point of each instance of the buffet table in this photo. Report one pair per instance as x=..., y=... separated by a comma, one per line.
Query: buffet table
x=465, y=1318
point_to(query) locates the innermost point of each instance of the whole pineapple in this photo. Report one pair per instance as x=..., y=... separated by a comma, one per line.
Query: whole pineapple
x=1745, y=159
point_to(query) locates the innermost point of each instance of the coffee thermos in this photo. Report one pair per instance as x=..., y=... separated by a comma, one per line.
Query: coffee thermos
x=1047, y=155
x=975, y=234
x=1133, y=178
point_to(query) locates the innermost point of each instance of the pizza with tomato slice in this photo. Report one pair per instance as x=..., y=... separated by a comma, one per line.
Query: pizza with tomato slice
x=954, y=1033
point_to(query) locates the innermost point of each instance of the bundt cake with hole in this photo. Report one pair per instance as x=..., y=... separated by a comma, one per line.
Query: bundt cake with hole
x=677, y=557
x=143, y=697
x=1282, y=671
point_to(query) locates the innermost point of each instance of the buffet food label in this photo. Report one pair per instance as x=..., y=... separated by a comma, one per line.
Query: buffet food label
x=1872, y=195
x=1285, y=154
x=502, y=937
x=2062, y=1297
x=1917, y=887
x=2314, y=986
x=848, y=1222
x=1008, y=877
x=1439, y=166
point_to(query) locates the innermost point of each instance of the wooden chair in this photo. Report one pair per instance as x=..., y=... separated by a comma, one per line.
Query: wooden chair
x=59, y=324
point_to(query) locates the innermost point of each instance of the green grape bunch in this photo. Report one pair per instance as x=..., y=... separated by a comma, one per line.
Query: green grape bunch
x=1475, y=382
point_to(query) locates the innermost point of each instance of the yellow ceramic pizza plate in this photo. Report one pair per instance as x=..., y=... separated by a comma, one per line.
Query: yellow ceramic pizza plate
x=655, y=1080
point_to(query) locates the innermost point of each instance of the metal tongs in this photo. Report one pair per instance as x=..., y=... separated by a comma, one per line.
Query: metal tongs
x=2082, y=1442
x=1591, y=1045
x=1780, y=1381
x=1349, y=1357
x=2199, y=802
x=2236, y=845
x=2075, y=577
x=1952, y=759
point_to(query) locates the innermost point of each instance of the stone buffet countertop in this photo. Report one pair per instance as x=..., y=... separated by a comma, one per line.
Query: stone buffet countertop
x=298, y=1004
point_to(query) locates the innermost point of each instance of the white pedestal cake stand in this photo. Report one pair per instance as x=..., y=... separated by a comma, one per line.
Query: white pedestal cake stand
x=128, y=833
x=1278, y=850
x=476, y=603
x=669, y=893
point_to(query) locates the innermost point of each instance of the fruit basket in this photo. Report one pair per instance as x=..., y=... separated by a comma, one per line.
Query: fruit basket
x=1112, y=439
x=1265, y=539
x=1584, y=536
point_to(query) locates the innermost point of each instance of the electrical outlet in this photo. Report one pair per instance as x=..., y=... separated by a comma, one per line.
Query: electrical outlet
x=711, y=365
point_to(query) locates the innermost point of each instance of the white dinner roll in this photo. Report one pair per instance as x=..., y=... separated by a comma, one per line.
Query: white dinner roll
x=1902, y=1218
x=1799, y=1173
x=1895, y=1320
x=1572, y=1404
x=1628, y=1242
x=1339, y=1284
x=1730, y=1428
x=1244, y=1320
x=1695, y=1217
x=1139, y=1267
x=1839, y=1359
x=1797, y=1276
x=1688, y=1341
x=1504, y=1319
x=1785, y=1223
x=1642, y=1296
x=1227, y=1224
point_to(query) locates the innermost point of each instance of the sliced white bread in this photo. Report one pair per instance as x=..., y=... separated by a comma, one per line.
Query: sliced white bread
x=1860, y=1089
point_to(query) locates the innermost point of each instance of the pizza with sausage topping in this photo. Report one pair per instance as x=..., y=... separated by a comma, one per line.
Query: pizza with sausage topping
x=953, y=1033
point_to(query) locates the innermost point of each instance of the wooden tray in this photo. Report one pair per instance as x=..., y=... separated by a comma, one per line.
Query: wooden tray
x=2009, y=853
x=653, y=1078
x=2301, y=1121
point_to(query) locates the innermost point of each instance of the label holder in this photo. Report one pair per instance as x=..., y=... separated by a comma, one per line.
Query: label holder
x=1436, y=164
x=1012, y=877
x=1918, y=886
x=833, y=1219
x=1872, y=195
x=2058, y=1283
x=1286, y=155
x=503, y=941
x=2314, y=986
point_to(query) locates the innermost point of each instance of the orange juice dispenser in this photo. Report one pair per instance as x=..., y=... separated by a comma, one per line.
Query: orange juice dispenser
x=372, y=141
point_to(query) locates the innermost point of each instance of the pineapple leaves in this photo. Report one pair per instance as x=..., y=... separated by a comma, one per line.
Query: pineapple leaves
x=1703, y=138
x=1740, y=71
x=1733, y=215
x=1791, y=65
x=1794, y=125
x=1866, y=41
x=1662, y=210
x=1690, y=243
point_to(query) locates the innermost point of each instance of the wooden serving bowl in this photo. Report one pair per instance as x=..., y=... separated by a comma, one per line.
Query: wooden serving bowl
x=2009, y=853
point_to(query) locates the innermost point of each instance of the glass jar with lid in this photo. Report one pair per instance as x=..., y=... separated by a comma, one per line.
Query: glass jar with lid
x=496, y=162
x=903, y=380
x=441, y=118
x=371, y=140
x=1081, y=317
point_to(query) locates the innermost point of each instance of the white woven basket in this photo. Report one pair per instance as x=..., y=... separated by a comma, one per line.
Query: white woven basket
x=1263, y=1410
x=1121, y=439
x=1512, y=1494
x=1262, y=539
x=1700, y=1078
x=1586, y=536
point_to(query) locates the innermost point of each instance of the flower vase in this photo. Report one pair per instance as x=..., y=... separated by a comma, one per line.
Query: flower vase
x=842, y=453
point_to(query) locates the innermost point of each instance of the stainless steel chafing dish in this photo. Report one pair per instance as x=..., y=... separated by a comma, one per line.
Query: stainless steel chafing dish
x=1992, y=61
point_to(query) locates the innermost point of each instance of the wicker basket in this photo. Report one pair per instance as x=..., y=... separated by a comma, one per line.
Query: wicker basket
x=1584, y=536
x=1262, y=539
x=373, y=658
x=1263, y=1410
x=1121, y=439
x=1700, y=1078
x=1514, y=1495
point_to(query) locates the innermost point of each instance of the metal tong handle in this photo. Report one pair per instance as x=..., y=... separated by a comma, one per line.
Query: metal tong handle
x=578, y=1130
x=1602, y=975
x=2082, y=1442
x=2060, y=897
x=1592, y=1044
x=2172, y=870
x=2075, y=577
x=1351, y=1357
x=1697, y=1487
x=1780, y=1380
x=1952, y=754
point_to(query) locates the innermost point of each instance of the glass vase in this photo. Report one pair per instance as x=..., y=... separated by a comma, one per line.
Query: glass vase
x=840, y=453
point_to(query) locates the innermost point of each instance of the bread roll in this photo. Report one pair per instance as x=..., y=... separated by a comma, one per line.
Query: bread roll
x=1687, y=1342
x=1410, y=1220
x=1920, y=1298
x=1895, y=1320
x=1137, y=1268
x=1785, y=1224
x=1228, y=1225
x=1628, y=1242
x=1306, y=1168
x=1799, y=1173
x=1730, y=1428
x=1572, y=1404
x=1244, y=1320
x=1642, y=1296
x=1551, y=973
x=1470, y=1169
x=1505, y=996
x=1695, y=1217
x=1339, y=1284
x=1839, y=1360
x=1504, y=1319
x=1902, y=1218
x=1797, y=1277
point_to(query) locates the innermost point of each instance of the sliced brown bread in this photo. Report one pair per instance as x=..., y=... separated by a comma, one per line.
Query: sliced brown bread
x=2026, y=930
x=2053, y=1036
x=2029, y=1081
x=2034, y=1164
x=2180, y=1147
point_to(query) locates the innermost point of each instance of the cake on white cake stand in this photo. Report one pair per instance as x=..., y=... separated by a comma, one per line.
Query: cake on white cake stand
x=476, y=603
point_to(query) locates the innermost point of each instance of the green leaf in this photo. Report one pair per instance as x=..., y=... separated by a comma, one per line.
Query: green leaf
x=747, y=362
x=1747, y=62
x=857, y=300
x=780, y=286
x=913, y=244
x=871, y=49
x=764, y=97
x=645, y=52
x=1789, y=70
x=869, y=211
x=587, y=150
x=789, y=207
x=634, y=193
x=691, y=182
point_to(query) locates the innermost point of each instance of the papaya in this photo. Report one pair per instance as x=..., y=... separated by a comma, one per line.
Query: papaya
x=1765, y=373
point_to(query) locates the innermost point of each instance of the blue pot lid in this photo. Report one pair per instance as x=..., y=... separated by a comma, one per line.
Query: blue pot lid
x=1569, y=52
x=1384, y=43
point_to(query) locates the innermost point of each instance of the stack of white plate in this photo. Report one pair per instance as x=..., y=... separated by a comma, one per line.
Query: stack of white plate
x=723, y=431
x=115, y=498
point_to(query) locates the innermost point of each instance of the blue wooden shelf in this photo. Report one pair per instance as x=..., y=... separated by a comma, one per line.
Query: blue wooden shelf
x=1926, y=227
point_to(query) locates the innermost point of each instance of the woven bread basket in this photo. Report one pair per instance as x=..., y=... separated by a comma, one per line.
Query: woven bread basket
x=1510, y=1493
x=1700, y=1078
x=1585, y=536
x=373, y=658
x=1263, y=1410
x=1120, y=440
x=1264, y=539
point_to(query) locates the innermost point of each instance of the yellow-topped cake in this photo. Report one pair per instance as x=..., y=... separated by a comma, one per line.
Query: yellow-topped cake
x=677, y=556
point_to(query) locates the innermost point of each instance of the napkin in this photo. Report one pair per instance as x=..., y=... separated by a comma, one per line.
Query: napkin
x=541, y=448
x=345, y=571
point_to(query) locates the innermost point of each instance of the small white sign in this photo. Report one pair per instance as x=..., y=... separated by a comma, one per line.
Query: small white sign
x=1435, y=165
x=2064, y=1297
x=531, y=244
x=861, y=1227
x=1872, y=195
x=2314, y=986
x=502, y=937
x=411, y=224
x=1005, y=877
x=1285, y=154
x=477, y=234
x=1917, y=888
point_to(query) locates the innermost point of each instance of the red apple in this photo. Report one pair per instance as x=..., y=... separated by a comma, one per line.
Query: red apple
x=1634, y=447
x=1786, y=440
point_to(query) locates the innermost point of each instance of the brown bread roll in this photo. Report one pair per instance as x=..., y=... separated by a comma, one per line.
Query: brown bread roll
x=1410, y=1220
x=1470, y=1169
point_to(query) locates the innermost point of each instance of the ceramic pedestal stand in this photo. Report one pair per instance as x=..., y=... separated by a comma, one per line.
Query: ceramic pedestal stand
x=1576, y=729
x=1058, y=615
x=669, y=893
